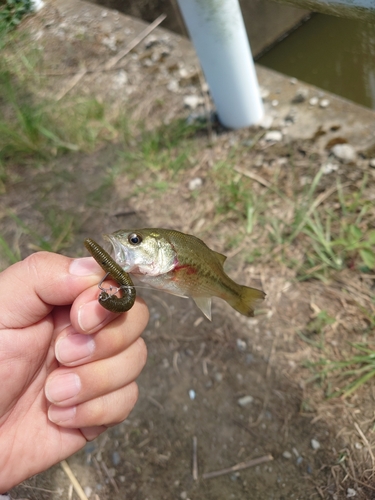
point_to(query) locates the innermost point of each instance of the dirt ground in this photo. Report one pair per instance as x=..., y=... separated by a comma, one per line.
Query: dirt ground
x=191, y=405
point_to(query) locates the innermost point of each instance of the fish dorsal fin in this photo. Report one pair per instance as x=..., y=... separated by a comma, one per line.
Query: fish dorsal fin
x=221, y=258
x=204, y=304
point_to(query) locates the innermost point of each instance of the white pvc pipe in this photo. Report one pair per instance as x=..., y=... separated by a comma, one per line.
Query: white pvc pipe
x=218, y=33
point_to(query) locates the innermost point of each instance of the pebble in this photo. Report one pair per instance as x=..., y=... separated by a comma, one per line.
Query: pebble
x=329, y=167
x=266, y=121
x=192, y=394
x=287, y=455
x=88, y=491
x=195, y=183
x=249, y=359
x=315, y=445
x=183, y=495
x=324, y=103
x=313, y=101
x=372, y=163
x=116, y=459
x=301, y=96
x=121, y=78
x=165, y=363
x=274, y=103
x=358, y=446
x=173, y=86
x=218, y=377
x=350, y=493
x=241, y=345
x=245, y=400
x=344, y=152
x=273, y=135
x=193, y=101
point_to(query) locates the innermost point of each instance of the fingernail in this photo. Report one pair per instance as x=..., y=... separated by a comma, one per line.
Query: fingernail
x=84, y=267
x=57, y=414
x=91, y=315
x=74, y=347
x=63, y=387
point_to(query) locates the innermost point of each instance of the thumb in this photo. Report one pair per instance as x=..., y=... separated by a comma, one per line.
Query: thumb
x=29, y=289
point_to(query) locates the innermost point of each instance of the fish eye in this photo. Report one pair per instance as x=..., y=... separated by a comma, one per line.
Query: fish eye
x=134, y=238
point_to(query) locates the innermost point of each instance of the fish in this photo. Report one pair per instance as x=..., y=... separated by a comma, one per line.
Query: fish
x=183, y=265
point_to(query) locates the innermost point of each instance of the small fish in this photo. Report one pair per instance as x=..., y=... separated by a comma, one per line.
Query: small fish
x=182, y=265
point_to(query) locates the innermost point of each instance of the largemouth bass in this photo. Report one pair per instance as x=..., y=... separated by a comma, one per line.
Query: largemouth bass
x=182, y=265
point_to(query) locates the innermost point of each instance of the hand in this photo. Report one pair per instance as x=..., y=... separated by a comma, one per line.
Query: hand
x=67, y=365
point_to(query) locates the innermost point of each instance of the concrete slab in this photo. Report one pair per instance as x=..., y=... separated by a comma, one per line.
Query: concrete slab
x=265, y=21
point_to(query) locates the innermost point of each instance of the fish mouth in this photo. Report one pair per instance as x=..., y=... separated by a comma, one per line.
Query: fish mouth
x=118, y=250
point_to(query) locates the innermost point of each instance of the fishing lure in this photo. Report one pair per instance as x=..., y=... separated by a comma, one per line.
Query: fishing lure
x=110, y=301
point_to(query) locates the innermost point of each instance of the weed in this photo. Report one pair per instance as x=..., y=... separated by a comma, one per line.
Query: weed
x=11, y=255
x=313, y=333
x=12, y=12
x=60, y=228
x=357, y=369
x=166, y=148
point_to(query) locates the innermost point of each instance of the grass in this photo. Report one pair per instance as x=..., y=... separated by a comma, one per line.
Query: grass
x=166, y=148
x=38, y=128
x=343, y=378
x=12, y=12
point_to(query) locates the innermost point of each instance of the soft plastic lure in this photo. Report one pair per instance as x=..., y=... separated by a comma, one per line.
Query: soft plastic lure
x=110, y=301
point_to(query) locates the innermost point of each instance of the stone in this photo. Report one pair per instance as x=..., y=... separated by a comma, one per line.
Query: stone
x=193, y=101
x=245, y=400
x=329, y=167
x=273, y=135
x=241, y=345
x=324, y=103
x=344, y=152
x=287, y=455
x=195, y=183
x=301, y=96
x=315, y=445
x=88, y=491
x=173, y=86
x=116, y=459
x=266, y=121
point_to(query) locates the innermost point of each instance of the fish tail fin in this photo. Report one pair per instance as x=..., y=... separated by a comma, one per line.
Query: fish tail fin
x=247, y=299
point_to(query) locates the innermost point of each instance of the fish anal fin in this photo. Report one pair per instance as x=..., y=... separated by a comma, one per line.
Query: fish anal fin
x=204, y=304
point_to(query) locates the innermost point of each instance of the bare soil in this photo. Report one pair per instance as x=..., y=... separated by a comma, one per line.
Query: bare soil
x=198, y=371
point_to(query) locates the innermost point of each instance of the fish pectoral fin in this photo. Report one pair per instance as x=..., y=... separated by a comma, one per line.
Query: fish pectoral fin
x=204, y=304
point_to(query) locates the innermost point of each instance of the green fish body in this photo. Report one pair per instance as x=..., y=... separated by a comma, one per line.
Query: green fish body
x=183, y=265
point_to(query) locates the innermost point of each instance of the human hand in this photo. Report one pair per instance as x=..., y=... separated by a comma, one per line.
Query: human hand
x=67, y=365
